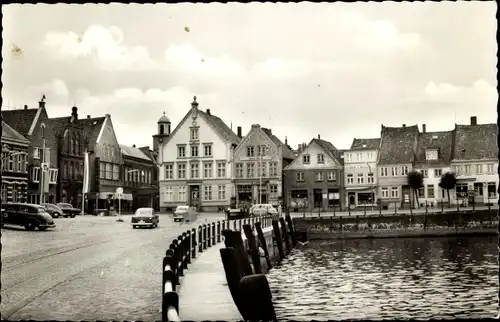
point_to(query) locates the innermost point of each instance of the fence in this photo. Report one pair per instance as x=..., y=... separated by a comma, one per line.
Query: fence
x=184, y=248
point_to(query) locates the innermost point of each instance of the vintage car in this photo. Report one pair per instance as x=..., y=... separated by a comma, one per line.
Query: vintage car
x=69, y=210
x=53, y=210
x=26, y=215
x=263, y=209
x=179, y=213
x=145, y=217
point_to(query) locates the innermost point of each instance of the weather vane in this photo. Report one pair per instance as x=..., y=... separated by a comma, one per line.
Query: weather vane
x=43, y=98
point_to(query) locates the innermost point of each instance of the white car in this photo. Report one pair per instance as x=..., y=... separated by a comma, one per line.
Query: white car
x=179, y=213
x=263, y=209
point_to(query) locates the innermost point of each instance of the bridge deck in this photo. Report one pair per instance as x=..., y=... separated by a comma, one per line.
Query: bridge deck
x=203, y=293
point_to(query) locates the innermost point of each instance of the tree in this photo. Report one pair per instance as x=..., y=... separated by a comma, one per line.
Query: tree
x=415, y=181
x=448, y=182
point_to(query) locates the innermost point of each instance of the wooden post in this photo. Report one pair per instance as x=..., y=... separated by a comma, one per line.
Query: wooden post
x=189, y=247
x=209, y=235
x=285, y=235
x=233, y=239
x=204, y=236
x=254, y=251
x=200, y=239
x=193, y=242
x=213, y=234
x=279, y=241
x=262, y=240
x=291, y=229
x=218, y=231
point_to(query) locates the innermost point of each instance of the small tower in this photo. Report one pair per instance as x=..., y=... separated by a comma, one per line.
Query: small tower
x=163, y=131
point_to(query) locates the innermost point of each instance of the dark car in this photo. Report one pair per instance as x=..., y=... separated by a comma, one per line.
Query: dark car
x=145, y=217
x=27, y=215
x=68, y=210
x=53, y=210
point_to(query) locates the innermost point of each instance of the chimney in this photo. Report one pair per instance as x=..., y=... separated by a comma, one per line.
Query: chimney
x=286, y=141
x=319, y=137
x=41, y=104
x=473, y=120
x=25, y=107
x=423, y=128
x=239, y=132
x=88, y=116
x=299, y=147
x=404, y=125
x=208, y=111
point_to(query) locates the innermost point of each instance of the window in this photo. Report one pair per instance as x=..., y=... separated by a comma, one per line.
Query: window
x=424, y=173
x=149, y=176
x=181, y=171
x=221, y=170
x=207, y=150
x=306, y=159
x=359, y=156
x=36, y=153
x=261, y=150
x=11, y=162
x=194, y=150
x=490, y=168
x=53, y=176
x=194, y=170
x=182, y=194
x=116, y=172
x=168, y=194
x=394, y=171
x=492, y=190
x=385, y=192
x=5, y=165
x=404, y=170
x=383, y=172
x=431, y=154
x=430, y=191
x=207, y=170
x=349, y=157
x=71, y=173
x=35, y=174
x=300, y=176
x=467, y=169
x=221, y=192
x=273, y=190
x=250, y=170
x=250, y=151
x=479, y=168
x=321, y=158
x=169, y=171
x=19, y=163
x=395, y=192
x=421, y=192
x=207, y=193
x=181, y=152
x=332, y=176
x=371, y=179
x=319, y=176
x=262, y=169
x=361, y=178
x=273, y=169
x=239, y=170
x=350, y=178
x=194, y=134
x=438, y=172
x=109, y=171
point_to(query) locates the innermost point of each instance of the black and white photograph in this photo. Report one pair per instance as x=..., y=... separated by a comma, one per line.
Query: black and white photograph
x=258, y=161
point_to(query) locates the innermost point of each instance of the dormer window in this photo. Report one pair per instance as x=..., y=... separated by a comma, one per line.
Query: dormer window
x=431, y=154
x=321, y=158
x=306, y=159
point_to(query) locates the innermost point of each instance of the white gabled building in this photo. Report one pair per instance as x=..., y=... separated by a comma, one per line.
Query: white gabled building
x=195, y=161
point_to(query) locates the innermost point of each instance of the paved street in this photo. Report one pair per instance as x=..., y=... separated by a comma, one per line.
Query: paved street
x=87, y=268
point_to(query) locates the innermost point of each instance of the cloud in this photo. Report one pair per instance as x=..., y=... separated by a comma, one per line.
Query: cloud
x=56, y=89
x=480, y=93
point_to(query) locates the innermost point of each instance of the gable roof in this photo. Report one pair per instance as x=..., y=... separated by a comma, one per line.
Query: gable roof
x=21, y=120
x=329, y=148
x=365, y=144
x=133, y=152
x=287, y=154
x=443, y=141
x=8, y=133
x=397, y=144
x=220, y=127
x=476, y=142
x=91, y=127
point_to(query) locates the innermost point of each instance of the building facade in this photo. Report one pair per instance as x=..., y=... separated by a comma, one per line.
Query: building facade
x=34, y=125
x=196, y=162
x=315, y=178
x=258, y=165
x=14, y=165
x=475, y=162
x=360, y=172
x=396, y=156
x=153, y=155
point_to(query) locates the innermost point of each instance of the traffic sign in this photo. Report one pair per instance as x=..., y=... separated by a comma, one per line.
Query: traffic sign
x=119, y=190
x=45, y=167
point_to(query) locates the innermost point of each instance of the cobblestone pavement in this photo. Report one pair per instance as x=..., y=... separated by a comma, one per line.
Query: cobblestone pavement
x=87, y=268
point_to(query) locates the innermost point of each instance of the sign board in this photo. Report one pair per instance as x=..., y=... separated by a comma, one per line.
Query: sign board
x=119, y=190
x=334, y=196
x=407, y=197
x=45, y=167
x=325, y=195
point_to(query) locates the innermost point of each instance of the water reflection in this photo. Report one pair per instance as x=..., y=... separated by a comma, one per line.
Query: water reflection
x=387, y=279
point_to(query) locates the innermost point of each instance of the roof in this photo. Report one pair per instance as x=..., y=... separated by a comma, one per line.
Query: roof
x=8, y=133
x=91, y=126
x=287, y=153
x=365, y=144
x=476, y=142
x=397, y=144
x=220, y=127
x=133, y=152
x=164, y=119
x=21, y=119
x=443, y=141
x=329, y=148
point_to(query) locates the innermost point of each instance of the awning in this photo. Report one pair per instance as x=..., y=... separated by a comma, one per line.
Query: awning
x=125, y=196
x=370, y=189
x=15, y=182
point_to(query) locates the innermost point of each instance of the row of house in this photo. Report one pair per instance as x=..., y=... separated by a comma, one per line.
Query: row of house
x=43, y=161
x=202, y=162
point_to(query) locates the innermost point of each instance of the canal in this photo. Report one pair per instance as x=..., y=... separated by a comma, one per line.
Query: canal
x=418, y=278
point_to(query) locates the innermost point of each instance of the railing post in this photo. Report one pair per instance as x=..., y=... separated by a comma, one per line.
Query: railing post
x=186, y=241
x=218, y=231
x=263, y=243
x=254, y=250
x=204, y=236
x=213, y=234
x=200, y=239
x=180, y=254
x=193, y=243
x=209, y=235
x=279, y=241
x=240, y=225
x=285, y=235
x=175, y=264
x=189, y=247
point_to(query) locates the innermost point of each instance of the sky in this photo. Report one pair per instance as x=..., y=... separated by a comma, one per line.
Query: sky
x=302, y=69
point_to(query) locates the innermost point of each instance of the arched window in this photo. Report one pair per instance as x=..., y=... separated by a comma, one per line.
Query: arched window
x=72, y=144
x=162, y=130
x=42, y=130
x=65, y=169
x=77, y=144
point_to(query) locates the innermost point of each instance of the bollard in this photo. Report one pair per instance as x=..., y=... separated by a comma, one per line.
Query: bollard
x=180, y=254
x=285, y=235
x=234, y=273
x=209, y=235
x=233, y=239
x=200, y=239
x=168, y=271
x=213, y=234
x=277, y=237
x=193, y=243
x=175, y=265
x=262, y=240
x=189, y=247
x=186, y=240
x=204, y=236
x=291, y=229
x=170, y=299
x=218, y=231
x=254, y=251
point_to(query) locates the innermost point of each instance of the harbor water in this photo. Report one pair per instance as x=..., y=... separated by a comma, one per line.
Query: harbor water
x=417, y=278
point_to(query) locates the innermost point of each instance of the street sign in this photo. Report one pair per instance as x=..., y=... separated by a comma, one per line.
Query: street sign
x=119, y=191
x=45, y=167
x=325, y=195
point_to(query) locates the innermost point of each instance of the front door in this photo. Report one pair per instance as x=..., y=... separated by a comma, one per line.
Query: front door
x=194, y=196
x=478, y=193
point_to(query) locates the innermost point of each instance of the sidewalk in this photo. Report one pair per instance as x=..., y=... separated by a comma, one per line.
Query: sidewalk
x=203, y=293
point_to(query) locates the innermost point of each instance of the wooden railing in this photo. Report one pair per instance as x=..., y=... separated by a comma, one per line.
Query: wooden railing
x=183, y=249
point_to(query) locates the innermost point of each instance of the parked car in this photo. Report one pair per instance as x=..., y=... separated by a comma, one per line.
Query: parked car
x=145, y=217
x=53, y=210
x=233, y=212
x=263, y=209
x=179, y=213
x=27, y=215
x=69, y=210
